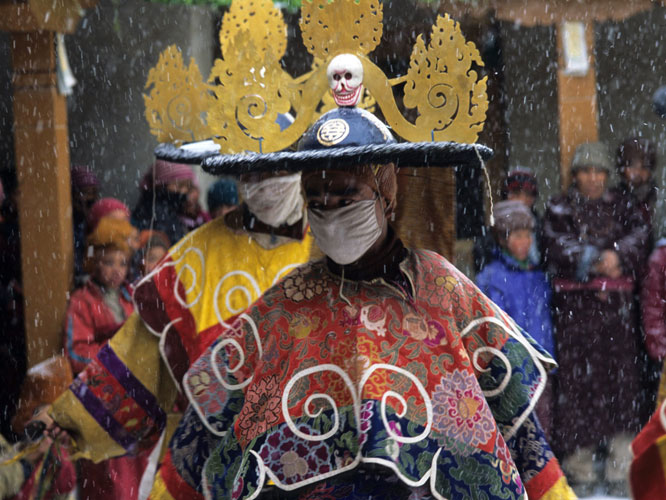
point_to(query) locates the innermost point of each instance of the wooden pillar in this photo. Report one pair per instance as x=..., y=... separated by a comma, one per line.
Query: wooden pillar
x=45, y=215
x=577, y=101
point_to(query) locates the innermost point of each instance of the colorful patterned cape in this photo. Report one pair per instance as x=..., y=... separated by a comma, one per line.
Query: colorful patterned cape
x=122, y=400
x=329, y=389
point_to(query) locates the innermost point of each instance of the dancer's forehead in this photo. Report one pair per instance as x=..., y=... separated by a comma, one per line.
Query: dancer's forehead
x=260, y=176
x=337, y=183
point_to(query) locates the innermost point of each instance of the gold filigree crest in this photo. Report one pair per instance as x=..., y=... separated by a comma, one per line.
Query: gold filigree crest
x=178, y=100
x=251, y=90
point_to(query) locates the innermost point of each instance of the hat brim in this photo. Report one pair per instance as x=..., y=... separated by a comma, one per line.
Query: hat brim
x=169, y=152
x=404, y=154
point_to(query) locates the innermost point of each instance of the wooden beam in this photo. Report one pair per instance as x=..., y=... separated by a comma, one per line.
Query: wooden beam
x=41, y=142
x=61, y=16
x=577, y=103
x=546, y=12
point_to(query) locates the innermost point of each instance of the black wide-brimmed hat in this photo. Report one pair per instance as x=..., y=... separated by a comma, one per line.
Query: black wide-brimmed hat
x=341, y=138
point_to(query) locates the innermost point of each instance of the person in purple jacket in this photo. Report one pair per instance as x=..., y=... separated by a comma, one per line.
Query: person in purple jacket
x=516, y=284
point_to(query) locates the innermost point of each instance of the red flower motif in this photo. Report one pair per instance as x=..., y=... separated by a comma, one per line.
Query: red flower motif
x=261, y=409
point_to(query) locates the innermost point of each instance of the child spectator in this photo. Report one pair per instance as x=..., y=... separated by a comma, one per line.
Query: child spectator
x=514, y=283
x=520, y=185
x=222, y=197
x=153, y=245
x=193, y=215
x=103, y=303
x=96, y=311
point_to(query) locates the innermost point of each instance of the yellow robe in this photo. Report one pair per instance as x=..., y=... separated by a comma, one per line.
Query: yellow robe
x=124, y=399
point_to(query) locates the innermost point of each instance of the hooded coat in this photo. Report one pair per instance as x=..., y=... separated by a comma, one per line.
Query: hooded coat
x=596, y=329
x=523, y=293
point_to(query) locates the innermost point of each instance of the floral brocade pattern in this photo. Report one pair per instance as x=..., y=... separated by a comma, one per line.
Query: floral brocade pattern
x=460, y=412
x=326, y=390
x=261, y=410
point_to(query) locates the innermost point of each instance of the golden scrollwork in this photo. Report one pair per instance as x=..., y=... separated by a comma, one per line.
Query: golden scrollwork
x=178, y=99
x=249, y=94
x=443, y=87
x=250, y=97
x=331, y=28
x=260, y=22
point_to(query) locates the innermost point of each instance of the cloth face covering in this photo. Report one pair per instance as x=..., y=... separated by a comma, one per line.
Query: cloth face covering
x=346, y=233
x=276, y=200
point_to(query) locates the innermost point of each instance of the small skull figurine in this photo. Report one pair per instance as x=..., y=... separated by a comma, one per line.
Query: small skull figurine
x=345, y=77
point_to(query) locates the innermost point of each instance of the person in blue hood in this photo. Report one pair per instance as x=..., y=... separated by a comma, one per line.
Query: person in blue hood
x=515, y=283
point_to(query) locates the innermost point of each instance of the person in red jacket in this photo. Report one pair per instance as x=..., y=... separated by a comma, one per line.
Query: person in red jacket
x=96, y=311
x=100, y=307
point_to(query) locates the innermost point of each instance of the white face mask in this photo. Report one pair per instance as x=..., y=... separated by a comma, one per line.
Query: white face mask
x=276, y=200
x=346, y=233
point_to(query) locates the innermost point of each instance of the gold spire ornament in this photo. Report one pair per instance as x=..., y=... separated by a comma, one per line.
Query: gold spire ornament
x=259, y=22
x=443, y=87
x=178, y=101
x=341, y=26
x=254, y=105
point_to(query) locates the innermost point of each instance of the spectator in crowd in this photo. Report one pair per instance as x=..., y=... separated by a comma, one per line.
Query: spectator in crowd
x=153, y=245
x=96, y=311
x=13, y=355
x=163, y=199
x=193, y=215
x=594, y=246
x=222, y=197
x=85, y=192
x=636, y=160
x=520, y=185
x=513, y=282
x=107, y=207
x=100, y=307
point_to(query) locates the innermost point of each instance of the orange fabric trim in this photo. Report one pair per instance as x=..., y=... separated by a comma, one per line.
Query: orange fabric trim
x=545, y=480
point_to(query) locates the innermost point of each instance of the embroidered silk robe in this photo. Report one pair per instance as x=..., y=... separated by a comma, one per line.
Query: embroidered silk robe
x=338, y=389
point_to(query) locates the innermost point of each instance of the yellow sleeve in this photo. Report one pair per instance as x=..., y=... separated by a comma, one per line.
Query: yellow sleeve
x=99, y=410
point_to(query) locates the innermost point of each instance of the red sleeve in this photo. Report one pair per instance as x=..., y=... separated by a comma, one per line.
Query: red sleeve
x=653, y=304
x=80, y=344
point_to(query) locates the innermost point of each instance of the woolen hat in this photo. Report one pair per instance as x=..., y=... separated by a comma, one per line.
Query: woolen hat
x=102, y=208
x=222, y=192
x=166, y=172
x=112, y=234
x=592, y=154
x=511, y=215
x=521, y=179
x=82, y=177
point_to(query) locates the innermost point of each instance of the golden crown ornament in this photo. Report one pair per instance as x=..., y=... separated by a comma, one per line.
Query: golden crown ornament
x=248, y=89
